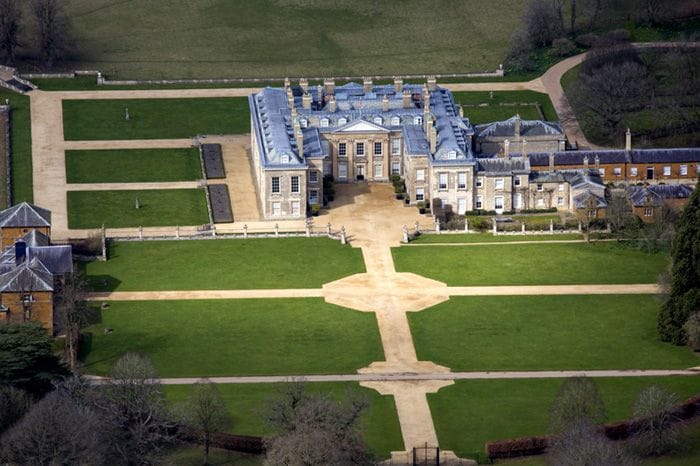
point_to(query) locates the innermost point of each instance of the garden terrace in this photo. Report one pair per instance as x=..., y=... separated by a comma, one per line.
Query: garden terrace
x=487, y=107
x=118, y=209
x=223, y=264
x=235, y=337
x=532, y=264
x=220, y=203
x=132, y=165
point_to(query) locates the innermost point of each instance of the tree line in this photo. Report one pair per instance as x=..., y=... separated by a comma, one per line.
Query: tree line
x=42, y=25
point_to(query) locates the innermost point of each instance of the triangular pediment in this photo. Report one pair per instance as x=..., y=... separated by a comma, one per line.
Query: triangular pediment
x=361, y=126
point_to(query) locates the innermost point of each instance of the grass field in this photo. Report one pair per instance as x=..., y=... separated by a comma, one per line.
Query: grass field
x=21, y=140
x=247, y=404
x=154, y=118
x=532, y=264
x=519, y=333
x=481, y=108
x=225, y=264
x=470, y=413
x=489, y=238
x=157, y=207
x=252, y=38
x=236, y=337
x=190, y=455
x=131, y=166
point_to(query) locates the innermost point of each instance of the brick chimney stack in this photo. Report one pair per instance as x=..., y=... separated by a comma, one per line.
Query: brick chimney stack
x=306, y=101
x=406, y=98
x=287, y=83
x=517, y=125
x=585, y=162
x=461, y=111
x=398, y=84
x=385, y=103
x=506, y=148
x=426, y=120
x=367, y=84
x=300, y=142
x=433, y=138
x=628, y=140
x=290, y=97
x=304, y=84
x=426, y=96
x=524, y=151
x=432, y=83
x=551, y=162
x=329, y=85
x=331, y=104
x=597, y=163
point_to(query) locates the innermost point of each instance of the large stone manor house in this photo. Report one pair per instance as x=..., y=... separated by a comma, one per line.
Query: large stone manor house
x=367, y=132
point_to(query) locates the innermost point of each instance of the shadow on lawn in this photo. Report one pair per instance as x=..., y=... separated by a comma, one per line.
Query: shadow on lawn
x=103, y=282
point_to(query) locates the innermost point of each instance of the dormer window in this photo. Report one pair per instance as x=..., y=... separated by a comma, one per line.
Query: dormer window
x=378, y=120
x=284, y=158
x=303, y=122
x=324, y=122
x=418, y=120
x=395, y=121
x=342, y=121
x=451, y=155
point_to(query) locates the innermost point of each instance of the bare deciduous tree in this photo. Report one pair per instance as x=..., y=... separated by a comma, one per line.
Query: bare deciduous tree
x=72, y=312
x=14, y=403
x=205, y=411
x=9, y=28
x=658, y=432
x=53, y=30
x=57, y=430
x=135, y=406
x=578, y=403
x=316, y=430
x=584, y=444
x=620, y=215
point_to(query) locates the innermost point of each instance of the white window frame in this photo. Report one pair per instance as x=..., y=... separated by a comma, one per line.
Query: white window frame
x=296, y=208
x=601, y=171
x=325, y=122
x=420, y=194
x=378, y=145
x=395, y=168
x=633, y=171
x=276, y=208
x=648, y=211
x=378, y=170
x=276, y=185
x=461, y=205
x=667, y=170
x=360, y=149
x=313, y=196
x=617, y=171
x=539, y=202
x=683, y=170
x=395, y=121
x=443, y=181
x=378, y=120
x=420, y=174
x=479, y=182
x=498, y=184
x=479, y=202
x=496, y=200
x=313, y=176
x=417, y=120
x=342, y=121
x=343, y=171
x=342, y=149
x=294, y=185
x=560, y=201
x=516, y=181
x=462, y=180
x=561, y=187
x=396, y=146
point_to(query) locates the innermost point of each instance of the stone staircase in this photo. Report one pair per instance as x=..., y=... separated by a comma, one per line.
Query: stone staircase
x=9, y=79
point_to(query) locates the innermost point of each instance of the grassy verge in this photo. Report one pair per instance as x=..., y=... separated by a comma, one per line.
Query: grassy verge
x=489, y=238
x=21, y=137
x=532, y=264
x=154, y=118
x=190, y=455
x=236, y=337
x=132, y=166
x=117, y=209
x=247, y=404
x=225, y=264
x=480, y=107
x=470, y=413
x=519, y=332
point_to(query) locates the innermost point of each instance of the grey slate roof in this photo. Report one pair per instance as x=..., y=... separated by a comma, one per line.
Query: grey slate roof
x=273, y=126
x=29, y=276
x=656, y=194
x=25, y=215
x=502, y=166
x=528, y=128
x=57, y=259
x=580, y=200
x=692, y=154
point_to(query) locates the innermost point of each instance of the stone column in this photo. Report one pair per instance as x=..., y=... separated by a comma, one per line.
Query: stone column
x=245, y=231
x=277, y=230
x=405, y=234
x=551, y=227
x=493, y=226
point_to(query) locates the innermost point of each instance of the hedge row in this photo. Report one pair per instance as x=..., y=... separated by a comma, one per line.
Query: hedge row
x=531, y=446
x=231, y=442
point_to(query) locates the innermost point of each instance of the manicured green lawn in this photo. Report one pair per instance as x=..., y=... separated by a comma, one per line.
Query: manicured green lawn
x=489, y=238
x=545, y=333
x=248, y=403
x=236, y=337
x=473, y=412
x=532, y=264
x=220, y=38
x=224, y=264
x=480, y=107
x=154, y=118
x=117, y=209
x=131, y=166
x=192, y=455
x=21, y=137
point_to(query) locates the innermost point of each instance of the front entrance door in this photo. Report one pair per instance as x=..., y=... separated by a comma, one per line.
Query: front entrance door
x=650, y=173
x=360, y=172
x=461, y=206
x=518, y=201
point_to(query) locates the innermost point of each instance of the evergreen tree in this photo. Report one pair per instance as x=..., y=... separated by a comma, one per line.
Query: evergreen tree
x=684, y=296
